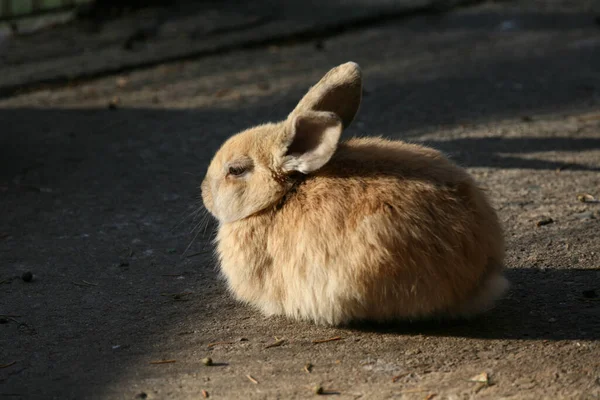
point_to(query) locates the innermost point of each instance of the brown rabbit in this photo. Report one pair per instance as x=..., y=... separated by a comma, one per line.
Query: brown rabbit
x=363, y=229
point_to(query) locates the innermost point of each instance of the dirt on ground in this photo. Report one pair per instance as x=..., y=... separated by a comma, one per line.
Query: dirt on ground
x=99, y=201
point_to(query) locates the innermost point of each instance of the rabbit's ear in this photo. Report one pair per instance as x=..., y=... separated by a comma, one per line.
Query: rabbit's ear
x=339, y=92
x=312, y=138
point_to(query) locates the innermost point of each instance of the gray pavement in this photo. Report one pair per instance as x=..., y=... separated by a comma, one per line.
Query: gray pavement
x=95, y=203
x=96, y=46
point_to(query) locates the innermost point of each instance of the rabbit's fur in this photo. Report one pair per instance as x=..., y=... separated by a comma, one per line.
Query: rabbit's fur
x=364, y=229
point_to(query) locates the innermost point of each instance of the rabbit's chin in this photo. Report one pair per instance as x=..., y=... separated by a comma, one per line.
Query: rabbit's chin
x=228, y=216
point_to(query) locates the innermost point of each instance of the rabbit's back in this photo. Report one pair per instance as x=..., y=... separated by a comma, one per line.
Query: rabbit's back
x=413, y=192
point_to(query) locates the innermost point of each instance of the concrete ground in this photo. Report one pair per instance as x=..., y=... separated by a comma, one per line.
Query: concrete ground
x=99, y=189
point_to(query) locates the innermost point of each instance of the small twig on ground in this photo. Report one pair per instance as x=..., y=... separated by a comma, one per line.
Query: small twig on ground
x=398, y=377
x=430, y=396
x=8, y=365
x=163, y=362
x=319, y=390
x=218, y=343
x=589, y=117
x=251, y=379
x=544, y=221
x=564, y=167
x=416, y=390
x=333, y=339
x=176, y=294
x=204, y=394
x=277, y=343
x=84, y=283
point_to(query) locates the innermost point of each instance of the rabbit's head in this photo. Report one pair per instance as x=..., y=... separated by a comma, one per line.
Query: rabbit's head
x=252, y=170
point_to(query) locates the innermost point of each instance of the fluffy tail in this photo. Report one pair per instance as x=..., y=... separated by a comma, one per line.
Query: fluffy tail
x=493, y=287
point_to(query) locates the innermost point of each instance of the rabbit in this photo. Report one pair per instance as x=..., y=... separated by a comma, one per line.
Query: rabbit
x=364, y=229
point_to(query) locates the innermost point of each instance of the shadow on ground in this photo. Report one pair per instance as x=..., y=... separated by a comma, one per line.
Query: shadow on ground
x=93, y=196
x=496, y=152
x=543, y=304
x=48, y=145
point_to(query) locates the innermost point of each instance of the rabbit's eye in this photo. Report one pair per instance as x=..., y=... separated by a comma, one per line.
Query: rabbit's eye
x=237, y=170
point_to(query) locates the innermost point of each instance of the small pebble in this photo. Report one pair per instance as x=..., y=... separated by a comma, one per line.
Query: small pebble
x=113, y=103
x=318, y=389
x=207, y=361
x=122, y=82
x=142, y=395
x=27, y=276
